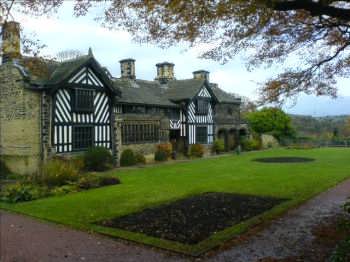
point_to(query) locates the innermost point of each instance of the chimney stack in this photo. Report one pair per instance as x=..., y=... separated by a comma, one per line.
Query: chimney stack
x=201, y=75
x=11, y=48
x=165, y=72
x=127, y=68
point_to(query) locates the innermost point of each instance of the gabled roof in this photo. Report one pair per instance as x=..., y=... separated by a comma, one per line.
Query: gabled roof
x=65, y=69
x=44, y=74
x=178, y=90
x=224, y=97
x=47, y=74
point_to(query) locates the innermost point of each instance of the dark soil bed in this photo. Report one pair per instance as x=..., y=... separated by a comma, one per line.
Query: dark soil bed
x=194, y=219
x=284, y=159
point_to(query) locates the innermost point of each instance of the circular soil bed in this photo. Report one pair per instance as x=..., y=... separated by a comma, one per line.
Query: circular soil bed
x=284, y=159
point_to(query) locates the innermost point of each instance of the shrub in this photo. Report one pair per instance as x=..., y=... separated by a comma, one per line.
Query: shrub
x=166, y=147
x=98, y=159
x=63, y=190
x=94, y=181
x=4, y=171
x=218, y=146
x=109, y=180
x=251, y=144
x=160, y=156
x=301, y=146
x=78, y=162
x=196, y=150
x=57, y=173
x=88, y=181
x=127, y=158
x=140, y=158
x=20, y=192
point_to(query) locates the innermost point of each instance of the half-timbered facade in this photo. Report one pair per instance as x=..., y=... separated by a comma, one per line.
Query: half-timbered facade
x=200, y=117
x=82, y=113
x=72, y=105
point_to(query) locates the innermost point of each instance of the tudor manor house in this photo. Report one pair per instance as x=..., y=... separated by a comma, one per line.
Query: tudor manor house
x=50, y=108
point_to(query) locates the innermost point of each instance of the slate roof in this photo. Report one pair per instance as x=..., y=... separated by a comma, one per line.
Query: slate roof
x=66, y=68
x=178, y=90
x=46, y=74
x=142, y=92
x=43, y=73
x=169, y=94
x=222, y=96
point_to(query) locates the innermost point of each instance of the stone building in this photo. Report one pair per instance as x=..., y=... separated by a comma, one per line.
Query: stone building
x=52, y=108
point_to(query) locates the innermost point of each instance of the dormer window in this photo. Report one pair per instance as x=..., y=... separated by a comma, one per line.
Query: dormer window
x=202, y=107
x=83, y=100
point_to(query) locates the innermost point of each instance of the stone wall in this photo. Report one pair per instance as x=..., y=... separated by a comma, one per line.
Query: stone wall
x=116, y=139
x=268, y=141
x=147, y=149
x=226, y=114
x=46, y=116
x=20, y=134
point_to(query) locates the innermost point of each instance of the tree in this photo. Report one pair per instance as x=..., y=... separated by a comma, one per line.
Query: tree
x=30, y=45
x=271, y=120
x=271, y=31
x=347, y=128
x=247, y=106
x=68, y=54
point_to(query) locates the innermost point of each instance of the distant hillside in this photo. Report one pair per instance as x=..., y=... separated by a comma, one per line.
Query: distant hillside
x=317, y=126
x=320, y=106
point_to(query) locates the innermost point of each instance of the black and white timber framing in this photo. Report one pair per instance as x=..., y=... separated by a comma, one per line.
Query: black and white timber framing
x=197, y=120
x=75, y=129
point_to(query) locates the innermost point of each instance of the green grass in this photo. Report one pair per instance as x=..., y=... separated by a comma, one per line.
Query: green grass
x=151, y=186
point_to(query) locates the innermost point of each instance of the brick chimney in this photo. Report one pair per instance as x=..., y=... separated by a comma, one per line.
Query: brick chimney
x=11, y=48
x=165, y=72
x=127, y=68
x=201, y=74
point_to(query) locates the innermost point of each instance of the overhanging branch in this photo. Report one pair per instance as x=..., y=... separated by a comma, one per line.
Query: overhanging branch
x=315, y=8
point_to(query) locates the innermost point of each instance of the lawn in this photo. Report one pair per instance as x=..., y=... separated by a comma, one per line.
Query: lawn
x=152, y=186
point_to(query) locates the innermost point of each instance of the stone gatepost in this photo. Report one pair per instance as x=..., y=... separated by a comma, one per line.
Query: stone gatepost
x=117, y=139
x=46, y=126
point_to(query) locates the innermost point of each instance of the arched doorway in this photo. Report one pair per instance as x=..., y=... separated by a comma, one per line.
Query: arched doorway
x=223, y=135
x=243, y=133
x=232, y=139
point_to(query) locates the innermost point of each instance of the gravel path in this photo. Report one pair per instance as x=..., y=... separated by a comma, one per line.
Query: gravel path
x=291, y=233
x=25, y=239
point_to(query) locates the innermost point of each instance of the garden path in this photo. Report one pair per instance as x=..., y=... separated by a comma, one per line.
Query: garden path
x=291, y=234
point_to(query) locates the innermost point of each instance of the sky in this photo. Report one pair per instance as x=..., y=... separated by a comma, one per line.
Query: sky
x=62, y=31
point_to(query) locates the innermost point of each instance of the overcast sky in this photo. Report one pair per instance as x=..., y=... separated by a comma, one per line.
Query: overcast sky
x=62, y=31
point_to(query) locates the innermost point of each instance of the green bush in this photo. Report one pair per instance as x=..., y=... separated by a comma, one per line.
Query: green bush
x=58, y=173
x=78, y=162
x=109, y=180
x=218, y=146
x=95, y=181
x=98, y=159
x=127, y=158
x=140, y=158
x=88, y=181
x=63, y=190
x=251, y=144
x=4, y=171
x=160, y=155
x=20, y=192
x=166, y=147
x=301, y=146
x=196, y=150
